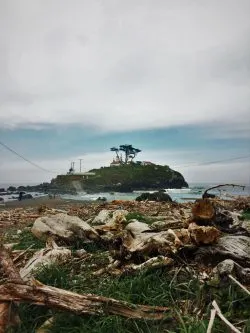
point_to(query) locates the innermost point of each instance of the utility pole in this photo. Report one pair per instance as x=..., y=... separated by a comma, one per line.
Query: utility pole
x=80, y=159
x=73, y=166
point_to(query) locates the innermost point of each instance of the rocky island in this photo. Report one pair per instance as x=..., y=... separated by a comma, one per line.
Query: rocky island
x=123, y=175
x=125, y=178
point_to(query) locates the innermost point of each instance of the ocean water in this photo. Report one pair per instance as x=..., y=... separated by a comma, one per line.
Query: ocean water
x=192, y=193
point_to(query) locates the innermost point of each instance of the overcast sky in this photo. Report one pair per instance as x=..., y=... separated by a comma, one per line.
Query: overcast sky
x=171, y=77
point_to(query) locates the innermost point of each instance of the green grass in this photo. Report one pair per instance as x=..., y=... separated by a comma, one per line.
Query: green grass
x=179, y=290
x=246, y=214
x=24, y=239
x=27, y=239
x=133, y=176
x=139, y=217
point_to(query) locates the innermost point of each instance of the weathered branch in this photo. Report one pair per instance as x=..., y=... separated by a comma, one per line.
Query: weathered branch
x=205, y=194
x=239, y=284
x=211, y=321
x=8, y=316
x=7, y=265
x=224, y=319
x=60, y=299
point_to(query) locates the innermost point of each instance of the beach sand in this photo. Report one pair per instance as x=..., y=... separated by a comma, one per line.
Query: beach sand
x=40, y=201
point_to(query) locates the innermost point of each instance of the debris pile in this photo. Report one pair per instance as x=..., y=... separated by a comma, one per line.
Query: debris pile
x=136, y=236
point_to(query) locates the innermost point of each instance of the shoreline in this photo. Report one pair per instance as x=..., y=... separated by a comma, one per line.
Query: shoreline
x=40, y=201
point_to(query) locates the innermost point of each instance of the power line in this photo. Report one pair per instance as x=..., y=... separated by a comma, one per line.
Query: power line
x=213, y=162
x=183, y=166
x=24, y=158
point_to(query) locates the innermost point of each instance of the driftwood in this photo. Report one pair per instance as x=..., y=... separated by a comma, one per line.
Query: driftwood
x=208, y=195
x=208, y=212
x=64, y=227
x=117, y=268
x=45, y=328
x=239, y=284
x=211, y=321
x=60, y=299
x=45, y=257
x=203, y=211
x=8, y=313
x=224, y=319
x=138, y=241
x=15, y=290
x=236, y=248
x=156, y=262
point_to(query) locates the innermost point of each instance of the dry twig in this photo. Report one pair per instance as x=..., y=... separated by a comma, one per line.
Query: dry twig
x=239, y=284
x=218, y=312
x=211, y=321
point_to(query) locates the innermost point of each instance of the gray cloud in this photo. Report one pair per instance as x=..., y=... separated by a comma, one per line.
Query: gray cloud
x=154, y=63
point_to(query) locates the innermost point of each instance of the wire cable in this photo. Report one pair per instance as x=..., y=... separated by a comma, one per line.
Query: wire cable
x=212, y=162
x=179, y=166
x=24, y=158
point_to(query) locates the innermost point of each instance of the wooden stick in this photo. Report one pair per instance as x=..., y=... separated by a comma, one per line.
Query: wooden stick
x=217, y=186
x=7, y=265
x=218, y=312
x=211, y=321
x=22, y=253
x=239, y=284
x=7, y=315
x=52, y=297
x=155, y=262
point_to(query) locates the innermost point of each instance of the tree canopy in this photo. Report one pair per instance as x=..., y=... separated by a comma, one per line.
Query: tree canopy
x=128, y=151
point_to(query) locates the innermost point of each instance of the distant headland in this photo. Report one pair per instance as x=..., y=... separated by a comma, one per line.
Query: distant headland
x=123, y=175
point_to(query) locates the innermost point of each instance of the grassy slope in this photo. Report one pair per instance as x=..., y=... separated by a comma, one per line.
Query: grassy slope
x=137, y=176
x=123, y=178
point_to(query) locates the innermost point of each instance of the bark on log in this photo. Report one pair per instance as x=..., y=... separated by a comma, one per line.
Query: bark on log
x=236, y=248
x=207, y=212
x=60, y=299
x=203, y=211
x=8, y=313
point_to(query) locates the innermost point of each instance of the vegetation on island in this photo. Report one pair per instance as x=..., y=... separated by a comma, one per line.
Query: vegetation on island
x=129, y=153
x=124, y=178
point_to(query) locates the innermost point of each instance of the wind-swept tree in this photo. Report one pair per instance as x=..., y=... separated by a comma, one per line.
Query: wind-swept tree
x=129, y=152
x=116, y=150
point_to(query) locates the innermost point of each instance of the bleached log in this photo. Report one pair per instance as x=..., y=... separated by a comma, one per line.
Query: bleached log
x=236, y=248
x=155, y=262
x=50, y=255
x=138, y=239
x=60, y=299
x=64, y=227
